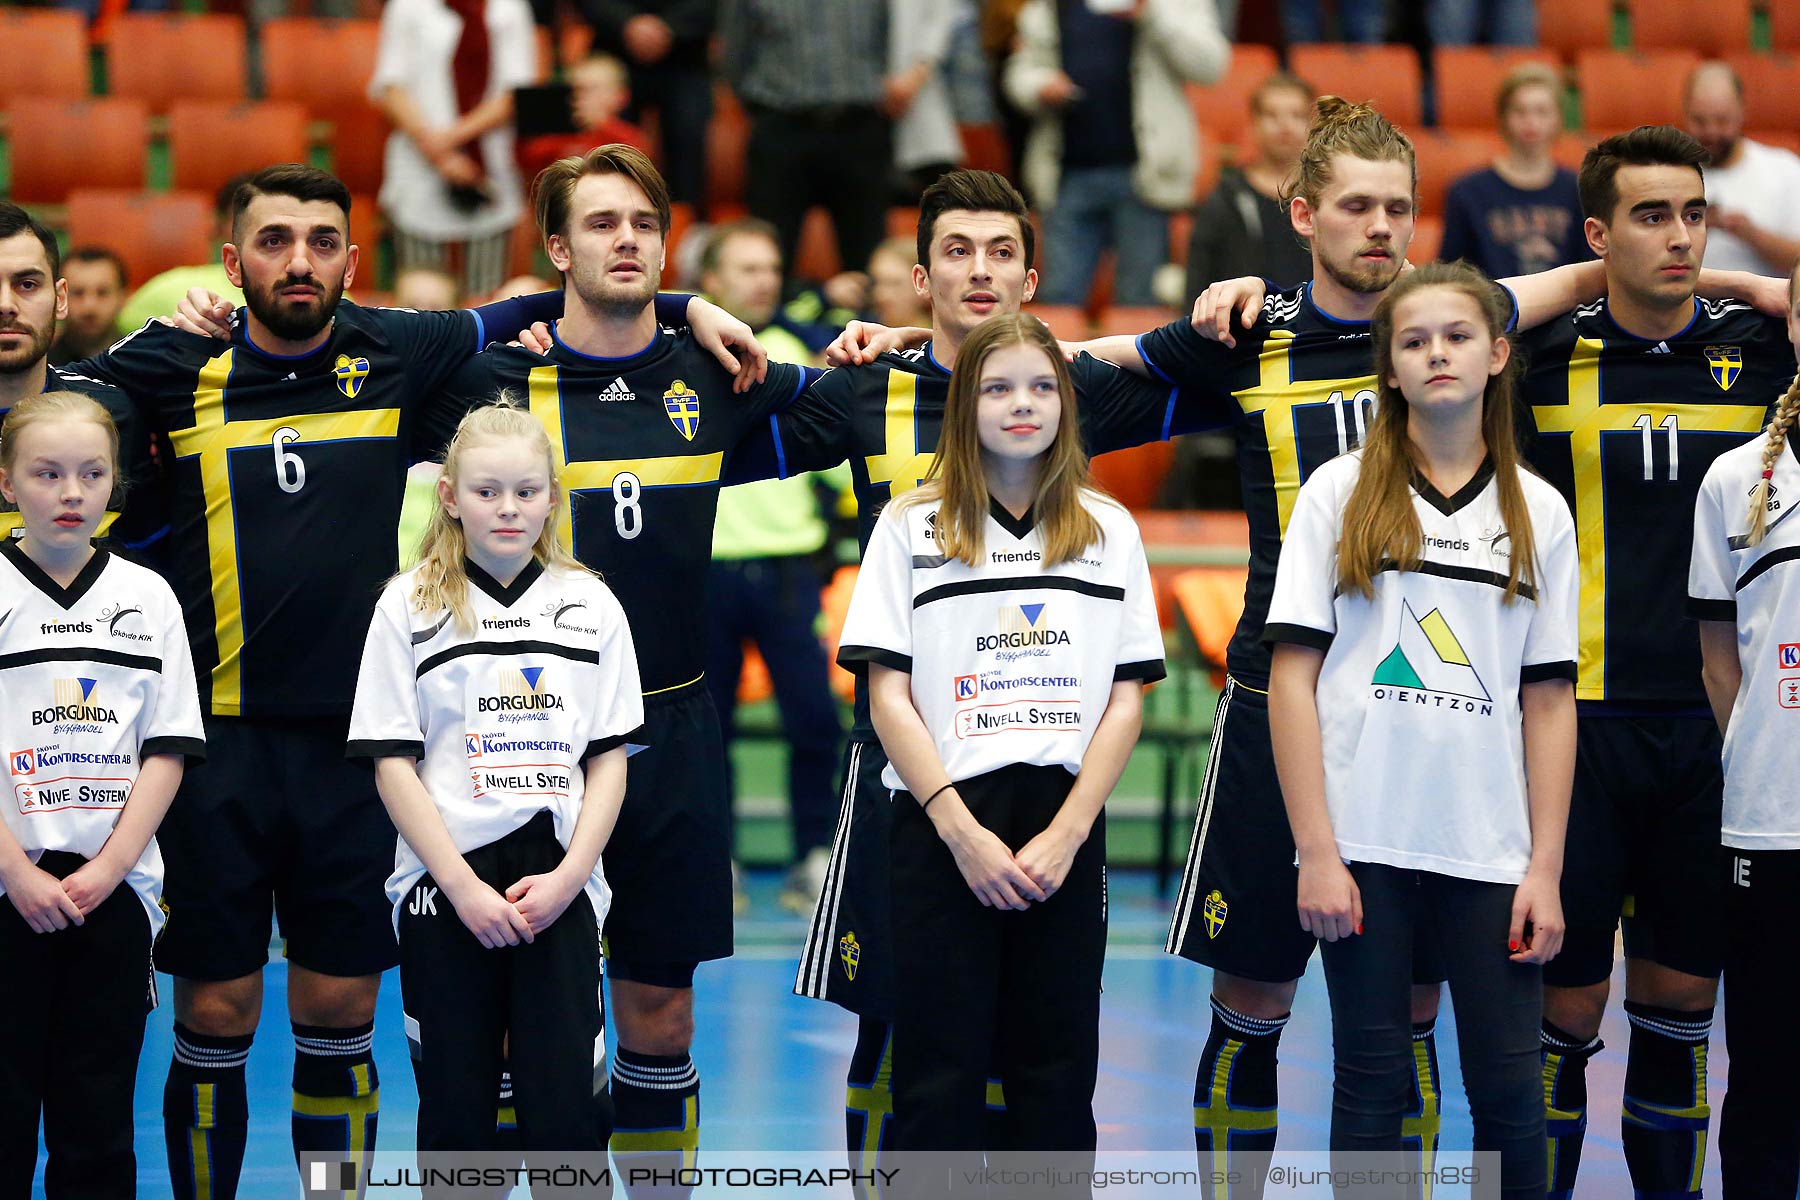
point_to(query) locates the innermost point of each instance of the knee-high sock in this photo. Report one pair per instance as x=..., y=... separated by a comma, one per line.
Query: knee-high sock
x=1565, y=1104
x=868, y=1096
x=1424, y=1113
x=1666, y=1113
x=656, y=1130
x=1236, y=1114
x=337, y=1094
x=206, y=1114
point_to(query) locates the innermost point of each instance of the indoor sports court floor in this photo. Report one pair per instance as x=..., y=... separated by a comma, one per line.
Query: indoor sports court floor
x=773, y=1064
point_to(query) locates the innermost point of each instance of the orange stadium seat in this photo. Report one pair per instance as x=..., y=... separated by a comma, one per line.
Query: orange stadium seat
x=1571, y=26
x=816, y=256
x=1622, y=89
x=1466, y=80
x=1784, y=24
x=1446, y=155
x=727, y=149
x=681, y=219
x=1223, y=107
x=44, y=53
x=1428, y=235
x=59, y=145
x=1069, y=322
x=1721, y=27
x=359, y=146
x=210, y=142
x=1387, y=76
x=1123, y=319
x=162, y=58
x=1133, y=476
x=1771, y=89
x=984, y=148
x=325, y=65
x=151, y=231
x=1569, y=149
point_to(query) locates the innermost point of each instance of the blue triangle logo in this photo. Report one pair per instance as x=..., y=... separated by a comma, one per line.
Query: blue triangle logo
x=87, y=689
x=532, y=675
x=1031, y=612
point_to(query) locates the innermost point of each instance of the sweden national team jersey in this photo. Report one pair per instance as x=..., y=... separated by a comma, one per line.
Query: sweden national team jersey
x=136, y=519
x=285, y=491
x=885, y=417
x=640, y=446
x=96, y=677
x=1304, y=387
x=1626, y=429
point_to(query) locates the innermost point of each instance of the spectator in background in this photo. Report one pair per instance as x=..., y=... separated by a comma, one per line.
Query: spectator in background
x=917, y=96
x=663, y=44
x=445, y=76
x=893, y=300
x=1461, y=22
x=813, y=76
x=1243, y=228
x=1752, y=189
x=522, y=285
x=598, y=93
x=764, y=586
x=1113, y=147
x=96, y=281
x=424, y=289
x=1523, y=214
x=1363, y=21
x=163, y=292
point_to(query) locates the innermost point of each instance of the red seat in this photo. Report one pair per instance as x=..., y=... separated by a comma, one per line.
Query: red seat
x=1069, y=322
x=163, y=58
x=1428, y=235
x=1784, y=24
x=359, y=135
x=1623, y=89
x=1386, y=76
x=59, y=145
x=1223, y=106
x=1446, y=155
x=1571, y=26
x=211, y=142
x=1771, y=89
x=43, y=53
x=152, y=232
x=1723, y=28
x=1467, y=80
x=295, y=49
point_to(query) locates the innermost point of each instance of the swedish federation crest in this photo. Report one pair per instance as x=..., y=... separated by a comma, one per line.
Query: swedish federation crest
x=1215, y=910
x=350, y=374
x=683, y=405
x=1726, y=362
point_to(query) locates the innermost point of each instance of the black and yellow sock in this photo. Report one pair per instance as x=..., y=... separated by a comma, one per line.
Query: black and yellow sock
x=506, y=1117
x=1424, y=1113
x=1565, y=1104
x=1666, y=1113
x=656, y=1130
x=1236, y=1100
x=998, y=1130
x=206, y=1114
x=337, y=1094
x=869, y=1101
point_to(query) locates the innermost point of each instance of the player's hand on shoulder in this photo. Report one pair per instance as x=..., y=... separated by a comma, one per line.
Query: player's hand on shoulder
x=987, y=866
x=205, y=313
x=91, y=883
x=537, y=339
x=542, y=898
x=1047, y=858
x=39, y=898
x=494, y=920
x=1537, y=928
x=1329, y=900
x=863, y=342
x=1215, y=307
x=719, y=333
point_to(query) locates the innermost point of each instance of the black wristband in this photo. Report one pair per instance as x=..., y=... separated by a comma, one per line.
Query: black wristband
x=934, y=796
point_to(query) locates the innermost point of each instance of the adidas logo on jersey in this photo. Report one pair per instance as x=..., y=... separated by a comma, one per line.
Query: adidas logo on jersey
x=616, y=390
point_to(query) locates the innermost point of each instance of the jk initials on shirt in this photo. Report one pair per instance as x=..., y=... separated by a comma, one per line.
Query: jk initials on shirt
x=424, y=902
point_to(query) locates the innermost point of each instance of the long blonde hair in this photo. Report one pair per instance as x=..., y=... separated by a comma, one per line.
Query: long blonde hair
x=1381, y=527
x=957, y=480
x=50, y=406
x=1775, y=436
x=442, y=581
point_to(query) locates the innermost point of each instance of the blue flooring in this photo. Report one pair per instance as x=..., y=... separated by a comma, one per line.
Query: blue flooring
x=773, y=1064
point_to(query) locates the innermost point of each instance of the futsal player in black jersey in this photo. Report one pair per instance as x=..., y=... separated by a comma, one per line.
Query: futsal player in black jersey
x=1626, y=403
x=641, y=423
x=33, y=300
x=286, y=447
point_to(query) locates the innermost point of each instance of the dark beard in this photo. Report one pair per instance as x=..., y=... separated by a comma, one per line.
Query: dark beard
x=290, y=323
x=34, y=353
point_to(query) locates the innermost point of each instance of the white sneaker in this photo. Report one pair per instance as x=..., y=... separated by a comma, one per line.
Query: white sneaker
x=805, y=881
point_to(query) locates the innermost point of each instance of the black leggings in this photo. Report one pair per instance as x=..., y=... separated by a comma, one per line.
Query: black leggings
x=1499, y=1010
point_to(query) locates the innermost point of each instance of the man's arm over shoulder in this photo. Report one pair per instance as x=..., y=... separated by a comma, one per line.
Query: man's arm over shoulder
x=1121, y=409
x=811, y=434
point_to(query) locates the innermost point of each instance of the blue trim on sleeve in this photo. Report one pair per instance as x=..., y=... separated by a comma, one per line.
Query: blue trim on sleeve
x=154, y=538
x=1169, y=413
x=1150, y=362
x=808, y=377
x=1512, y=322
x=480, y=330
x=781, y=471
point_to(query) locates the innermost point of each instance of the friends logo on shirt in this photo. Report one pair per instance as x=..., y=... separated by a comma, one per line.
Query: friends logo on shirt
x=1428, y=666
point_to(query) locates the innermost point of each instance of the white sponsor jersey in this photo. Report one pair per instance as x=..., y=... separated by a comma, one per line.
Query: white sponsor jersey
x=96, y=676
x=1758, y=588
x=502, y=717
x=1418, y=696
x=1011, y=662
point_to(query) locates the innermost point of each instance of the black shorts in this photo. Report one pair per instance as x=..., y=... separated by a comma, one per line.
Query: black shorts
x=277, y=821
x=1238, y=907
x=669, y=859
x=1643, y=844
x=848, y=955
